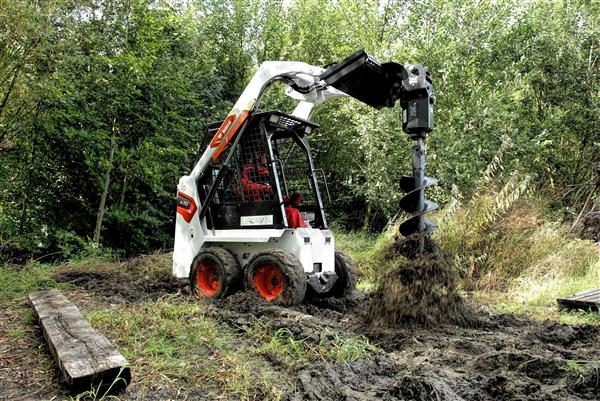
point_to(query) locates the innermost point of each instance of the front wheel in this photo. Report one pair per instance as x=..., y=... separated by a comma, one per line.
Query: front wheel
x=215, y=273
x=277, y=276
x=346, y=277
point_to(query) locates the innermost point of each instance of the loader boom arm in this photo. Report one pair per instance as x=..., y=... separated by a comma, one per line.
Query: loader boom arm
x=291, y=72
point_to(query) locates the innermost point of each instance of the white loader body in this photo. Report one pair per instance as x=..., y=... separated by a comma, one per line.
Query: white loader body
x=314, y=248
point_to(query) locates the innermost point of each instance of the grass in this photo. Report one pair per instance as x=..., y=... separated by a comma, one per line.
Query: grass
x=514, y=258
x=176, y=342
x=287, y=348
x=349, y=349
x=172, y=339
x=508, y=303
x=368, y=253
x=17, y=281
x=583, y=371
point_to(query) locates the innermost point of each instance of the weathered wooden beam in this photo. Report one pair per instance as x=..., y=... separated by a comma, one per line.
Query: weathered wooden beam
x=587, y=300
x=86, y=358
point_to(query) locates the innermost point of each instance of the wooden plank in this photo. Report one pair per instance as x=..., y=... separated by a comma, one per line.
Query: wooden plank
x=585, y=294
x=588, y=300
x=86, y=358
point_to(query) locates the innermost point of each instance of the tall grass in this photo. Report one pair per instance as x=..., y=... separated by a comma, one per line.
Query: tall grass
x=501, y=242
x=369, y=252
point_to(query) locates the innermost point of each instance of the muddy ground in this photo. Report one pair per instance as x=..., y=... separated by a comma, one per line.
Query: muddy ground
x=503, y=357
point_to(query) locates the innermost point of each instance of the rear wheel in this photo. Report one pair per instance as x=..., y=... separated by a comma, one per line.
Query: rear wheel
x=215, y=273
x=277, y=276
x=346, y=276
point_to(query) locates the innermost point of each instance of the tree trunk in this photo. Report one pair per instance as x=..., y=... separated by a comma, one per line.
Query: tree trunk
x=23, y=213
x=28, y=180
x=123, y=190
x=102, y=207
x=11, y=86
x=368, y=215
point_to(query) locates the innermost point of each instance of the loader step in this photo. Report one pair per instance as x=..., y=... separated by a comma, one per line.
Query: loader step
x=86, y=358
x=587, y=300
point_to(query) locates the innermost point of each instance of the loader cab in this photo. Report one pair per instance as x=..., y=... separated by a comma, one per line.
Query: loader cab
x=271, y=162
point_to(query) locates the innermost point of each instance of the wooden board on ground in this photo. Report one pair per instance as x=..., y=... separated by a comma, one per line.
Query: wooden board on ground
x=587, y=300
x=86, y=358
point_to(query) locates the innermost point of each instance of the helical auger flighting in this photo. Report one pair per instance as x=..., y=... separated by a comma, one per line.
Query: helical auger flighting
x=414, y=201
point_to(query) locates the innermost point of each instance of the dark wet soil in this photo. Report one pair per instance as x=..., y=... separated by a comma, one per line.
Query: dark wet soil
x=506, y=357
x=503, y=357
x=420, y=292
x=117, y=287
x=589, y=228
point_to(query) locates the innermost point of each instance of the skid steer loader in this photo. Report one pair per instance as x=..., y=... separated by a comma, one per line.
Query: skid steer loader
x=250, y=214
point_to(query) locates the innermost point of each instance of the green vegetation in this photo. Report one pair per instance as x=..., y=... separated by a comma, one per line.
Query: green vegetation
x=509, y=256
x=172, y=338
x=17, y=281
x=177, y=337
x=102, y=106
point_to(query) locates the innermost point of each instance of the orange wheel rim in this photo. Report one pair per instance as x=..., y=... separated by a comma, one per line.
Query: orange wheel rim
x=268, y=281
x=208, y=279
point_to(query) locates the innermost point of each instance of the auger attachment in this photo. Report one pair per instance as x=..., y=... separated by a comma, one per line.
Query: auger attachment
x=417, y=121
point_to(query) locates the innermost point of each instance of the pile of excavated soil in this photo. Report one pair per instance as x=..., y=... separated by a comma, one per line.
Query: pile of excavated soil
x=421, y=291
x=590, y=226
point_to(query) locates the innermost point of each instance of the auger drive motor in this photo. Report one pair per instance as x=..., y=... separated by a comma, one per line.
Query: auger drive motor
x=250, y=214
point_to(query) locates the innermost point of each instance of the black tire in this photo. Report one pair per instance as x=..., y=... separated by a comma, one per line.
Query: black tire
x=291, y=277
x=222, y=267
x=346, y=277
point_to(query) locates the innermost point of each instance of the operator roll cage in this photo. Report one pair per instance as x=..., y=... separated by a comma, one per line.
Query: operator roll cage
x=270, y=131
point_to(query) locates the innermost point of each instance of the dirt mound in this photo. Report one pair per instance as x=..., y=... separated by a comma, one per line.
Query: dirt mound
x=409, y=247
x=119, y=287
x=589, y=227
x=422, y=291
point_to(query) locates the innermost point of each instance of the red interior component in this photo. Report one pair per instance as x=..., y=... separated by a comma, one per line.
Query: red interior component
x=208, y=279
x=268, y=281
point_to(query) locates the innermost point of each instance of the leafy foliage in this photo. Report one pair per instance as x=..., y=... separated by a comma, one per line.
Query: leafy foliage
x=102, y=105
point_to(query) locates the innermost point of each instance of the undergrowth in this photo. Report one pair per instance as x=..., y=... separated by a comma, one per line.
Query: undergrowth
x=507, y=252
x=368, y=253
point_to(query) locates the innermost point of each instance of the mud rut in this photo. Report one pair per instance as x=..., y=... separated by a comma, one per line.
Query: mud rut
x=501, y=357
